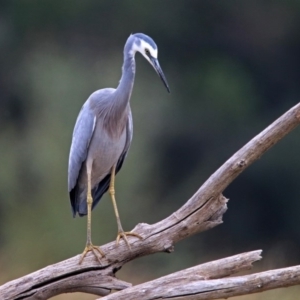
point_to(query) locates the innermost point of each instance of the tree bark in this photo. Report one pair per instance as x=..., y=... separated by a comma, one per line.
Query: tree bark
x=195, y=286
x=204, y=210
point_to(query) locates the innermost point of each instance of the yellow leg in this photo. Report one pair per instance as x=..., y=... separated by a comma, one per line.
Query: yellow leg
x=121, y=233
x=89, y=246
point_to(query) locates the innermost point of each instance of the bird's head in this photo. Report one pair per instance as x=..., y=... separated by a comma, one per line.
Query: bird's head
x=147, y=47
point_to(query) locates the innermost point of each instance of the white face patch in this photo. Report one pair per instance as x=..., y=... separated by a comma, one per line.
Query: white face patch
x=142, y=49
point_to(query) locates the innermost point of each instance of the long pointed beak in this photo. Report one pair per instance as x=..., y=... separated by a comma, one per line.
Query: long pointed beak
x=159, y=72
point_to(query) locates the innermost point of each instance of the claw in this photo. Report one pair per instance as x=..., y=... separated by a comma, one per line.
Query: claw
x=123, y=235
x=94, y=249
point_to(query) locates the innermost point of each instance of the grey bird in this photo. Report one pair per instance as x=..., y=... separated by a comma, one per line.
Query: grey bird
x=101, y=140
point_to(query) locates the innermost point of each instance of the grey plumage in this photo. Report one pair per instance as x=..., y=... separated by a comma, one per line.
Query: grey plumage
x=112, y=147
x=102, y=137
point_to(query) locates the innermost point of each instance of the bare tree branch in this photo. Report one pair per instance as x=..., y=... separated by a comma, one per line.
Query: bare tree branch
x=204, y=210
x=155, y=289
x=195, y=287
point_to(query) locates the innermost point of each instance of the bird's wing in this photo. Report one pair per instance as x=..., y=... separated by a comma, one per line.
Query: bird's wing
x=129, y=130
x=82, y=134
x=129, y=133
x=103, y=186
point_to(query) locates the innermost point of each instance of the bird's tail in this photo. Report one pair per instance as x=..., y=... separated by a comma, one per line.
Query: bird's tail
x=78, y=201
x=78, y=197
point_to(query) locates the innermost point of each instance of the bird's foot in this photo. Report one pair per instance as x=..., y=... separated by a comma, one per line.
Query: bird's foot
x=96, y=250
x=122, y=234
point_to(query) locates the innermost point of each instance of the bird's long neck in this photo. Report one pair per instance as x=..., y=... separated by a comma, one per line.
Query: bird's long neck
x=118, y=108
x=124, y=89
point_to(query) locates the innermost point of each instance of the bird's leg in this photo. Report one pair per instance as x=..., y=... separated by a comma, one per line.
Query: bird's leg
x=89, y=246
x=121, y=232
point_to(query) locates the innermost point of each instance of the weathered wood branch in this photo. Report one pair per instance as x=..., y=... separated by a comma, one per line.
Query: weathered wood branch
x=155, y=289
x=196, y=287
x=204, y=210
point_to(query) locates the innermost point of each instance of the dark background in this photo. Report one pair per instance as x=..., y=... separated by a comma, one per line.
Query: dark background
x=233, y=67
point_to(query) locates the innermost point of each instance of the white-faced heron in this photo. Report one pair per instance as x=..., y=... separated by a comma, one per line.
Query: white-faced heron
x=101, y=140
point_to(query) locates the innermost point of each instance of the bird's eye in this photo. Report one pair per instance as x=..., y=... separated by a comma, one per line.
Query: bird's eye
x=147, y=51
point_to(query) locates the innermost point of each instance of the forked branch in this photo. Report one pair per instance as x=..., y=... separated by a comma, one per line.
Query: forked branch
x=196, y=287
x=204, y=210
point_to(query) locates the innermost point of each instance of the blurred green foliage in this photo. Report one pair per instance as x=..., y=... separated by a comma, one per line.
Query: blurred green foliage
x=233, y=67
